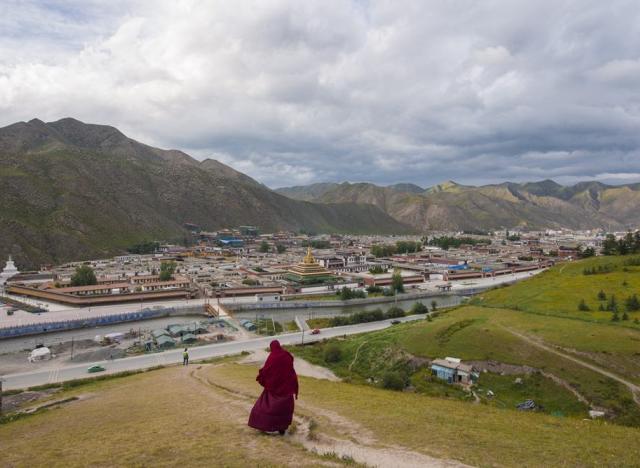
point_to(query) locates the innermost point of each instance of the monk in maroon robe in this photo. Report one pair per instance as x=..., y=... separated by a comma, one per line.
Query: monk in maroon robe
x=274, y=409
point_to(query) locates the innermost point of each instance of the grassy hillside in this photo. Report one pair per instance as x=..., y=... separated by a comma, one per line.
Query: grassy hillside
x=197, y=417
x=559, y=290
x=485, y=336
x=73, y=191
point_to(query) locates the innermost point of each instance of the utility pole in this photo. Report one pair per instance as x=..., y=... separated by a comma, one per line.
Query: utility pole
x=72, y=348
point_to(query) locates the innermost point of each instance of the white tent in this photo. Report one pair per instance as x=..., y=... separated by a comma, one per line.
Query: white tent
x=40, y=354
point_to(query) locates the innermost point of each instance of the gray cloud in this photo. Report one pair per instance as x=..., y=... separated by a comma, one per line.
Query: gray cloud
x=297, y=92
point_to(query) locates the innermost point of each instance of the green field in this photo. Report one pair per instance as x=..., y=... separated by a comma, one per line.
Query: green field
x=559, y=290
x=486, y=334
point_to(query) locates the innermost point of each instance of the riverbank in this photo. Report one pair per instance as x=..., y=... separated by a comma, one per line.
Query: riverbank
x=463, y=289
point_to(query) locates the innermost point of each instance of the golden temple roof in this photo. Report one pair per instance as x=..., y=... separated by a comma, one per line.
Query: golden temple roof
x=308, y=259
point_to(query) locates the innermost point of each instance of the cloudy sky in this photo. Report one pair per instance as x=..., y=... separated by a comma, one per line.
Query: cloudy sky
x=295, y=92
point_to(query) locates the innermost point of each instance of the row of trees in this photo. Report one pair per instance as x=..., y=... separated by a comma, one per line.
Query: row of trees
x=146, y=247
x=317, y=244
x=378, y=314
x=446, y=242
x=600, y=269
x=629, y=244
x=400, y=247
x=265, y=247
x=346, y=294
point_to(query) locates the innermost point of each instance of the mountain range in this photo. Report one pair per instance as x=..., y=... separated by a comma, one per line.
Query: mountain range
x=451, y=206
x=72, y=191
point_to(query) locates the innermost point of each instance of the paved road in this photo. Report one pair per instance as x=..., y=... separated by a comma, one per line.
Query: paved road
x=62, y=374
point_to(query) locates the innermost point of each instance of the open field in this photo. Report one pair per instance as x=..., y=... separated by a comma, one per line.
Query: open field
x=197, y=417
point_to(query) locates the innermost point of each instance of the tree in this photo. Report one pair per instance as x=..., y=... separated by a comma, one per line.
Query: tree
x=602, y=296
x=434, y=306
x=376, y=270
x=264, y=247
x=583, y=306
x=615, y=317
x=419, y=308
x=586, y=253
x=281, y=248
x=382, y=250
x=632, y=303
x=84, y=276
x=609, y=245
x=395, y=312
x=612, y=305
x=393, y=380
x=166, y=270
x=397, y=284
x=625, y=316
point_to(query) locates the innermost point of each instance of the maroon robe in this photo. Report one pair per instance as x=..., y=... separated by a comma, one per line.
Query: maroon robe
x=274, y=409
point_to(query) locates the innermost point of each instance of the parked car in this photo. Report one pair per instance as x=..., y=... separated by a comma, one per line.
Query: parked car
x=96, y=368
x=395, y=322
x=315, y=331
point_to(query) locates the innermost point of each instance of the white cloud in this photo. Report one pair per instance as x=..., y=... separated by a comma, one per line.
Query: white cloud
x=306, y=91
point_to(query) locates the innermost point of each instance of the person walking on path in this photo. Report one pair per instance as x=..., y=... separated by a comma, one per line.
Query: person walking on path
x=185, y=357
x=273, y=411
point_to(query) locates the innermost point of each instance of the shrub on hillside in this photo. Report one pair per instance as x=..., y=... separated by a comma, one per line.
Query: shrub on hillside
x=419, y=308
x=394, y=380
x=395, y=312
x=583, y=306
x=332, y=353
x=602, y=296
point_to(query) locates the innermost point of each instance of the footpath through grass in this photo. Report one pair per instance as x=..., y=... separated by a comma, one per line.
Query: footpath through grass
x=474, y=434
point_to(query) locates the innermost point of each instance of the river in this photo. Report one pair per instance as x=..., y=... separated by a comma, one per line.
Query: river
x=288, y=315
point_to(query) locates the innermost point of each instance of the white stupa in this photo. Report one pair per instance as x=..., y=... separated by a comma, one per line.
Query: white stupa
x=9, y=271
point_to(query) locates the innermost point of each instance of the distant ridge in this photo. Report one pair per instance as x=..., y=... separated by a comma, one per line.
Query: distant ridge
x=532, y=205
x=72, y=191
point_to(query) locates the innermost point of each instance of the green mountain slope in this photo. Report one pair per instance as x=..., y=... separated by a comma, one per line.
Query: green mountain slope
x=535, y=205
x=73, y=191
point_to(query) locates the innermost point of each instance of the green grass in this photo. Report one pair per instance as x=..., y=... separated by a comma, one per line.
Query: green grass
x=479, y=435
x=559, y=290
x=482, y=334
x=322, y=322
x=546, y=393
x=311, y=297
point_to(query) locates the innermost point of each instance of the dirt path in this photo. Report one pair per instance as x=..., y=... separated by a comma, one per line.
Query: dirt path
x=354, y=447
x=635, y=389
x=302, y=367
x=355, y=358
